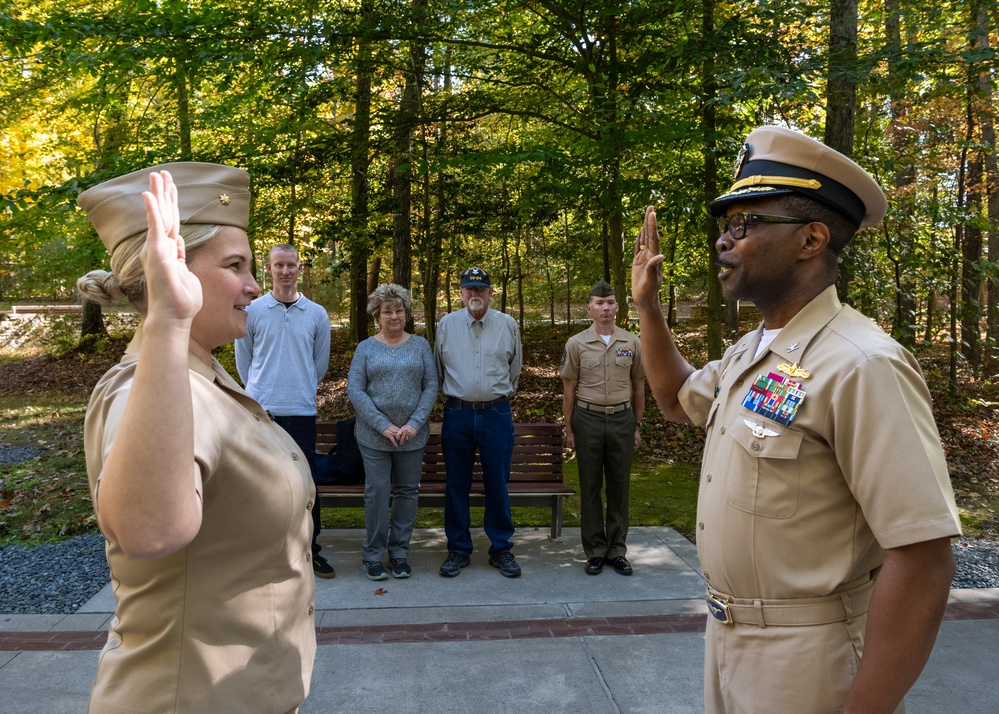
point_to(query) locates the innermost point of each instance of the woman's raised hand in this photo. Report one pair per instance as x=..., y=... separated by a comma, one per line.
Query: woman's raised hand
x=172, y=291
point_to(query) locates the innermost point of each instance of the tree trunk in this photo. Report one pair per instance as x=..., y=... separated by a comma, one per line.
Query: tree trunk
x=402, y=176
x=520, y=280
x=955, y=263
x=971, y=276
x=92, y=322
x=374, y=274
x=901, y=229
x=434, y=235
x=358, y=241
x=986, y=92
x=841, y=102
x=709, y=92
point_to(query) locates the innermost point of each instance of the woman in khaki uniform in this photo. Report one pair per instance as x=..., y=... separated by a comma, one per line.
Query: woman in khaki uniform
x=204, y=501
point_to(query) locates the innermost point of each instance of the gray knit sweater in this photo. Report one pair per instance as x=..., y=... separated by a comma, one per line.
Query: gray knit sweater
x=392, y=384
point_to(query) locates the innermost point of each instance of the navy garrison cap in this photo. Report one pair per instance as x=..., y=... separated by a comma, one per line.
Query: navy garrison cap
x=206, y=193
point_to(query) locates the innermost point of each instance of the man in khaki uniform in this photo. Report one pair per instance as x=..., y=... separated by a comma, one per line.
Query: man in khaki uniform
x=603, y=402
x=825, y=509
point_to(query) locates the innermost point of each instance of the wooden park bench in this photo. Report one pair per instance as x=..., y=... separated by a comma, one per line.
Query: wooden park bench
x=535, y=472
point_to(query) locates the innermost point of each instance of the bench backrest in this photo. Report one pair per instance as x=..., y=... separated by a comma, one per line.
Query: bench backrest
x=537, y=451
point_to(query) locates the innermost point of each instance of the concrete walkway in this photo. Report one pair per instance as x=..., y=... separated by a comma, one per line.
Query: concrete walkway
x=554, y=640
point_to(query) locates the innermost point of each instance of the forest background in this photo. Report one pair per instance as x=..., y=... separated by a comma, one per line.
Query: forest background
x=404, y=140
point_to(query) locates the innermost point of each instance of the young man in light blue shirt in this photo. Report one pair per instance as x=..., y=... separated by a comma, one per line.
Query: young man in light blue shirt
x=283, y=358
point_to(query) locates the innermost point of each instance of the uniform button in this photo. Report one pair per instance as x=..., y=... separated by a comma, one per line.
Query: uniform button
x=723, y=430
x=294, y=456
x=756, y=446
x=308, y=506
x=739, y=383
x=708, y=477
x=308, y=557
x=257, y=417
x=311, y=609
x=701, y=525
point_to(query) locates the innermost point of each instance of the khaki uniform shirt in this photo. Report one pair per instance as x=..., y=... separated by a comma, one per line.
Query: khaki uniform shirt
x=226, y=624
x=804, y=509
x=604, y=372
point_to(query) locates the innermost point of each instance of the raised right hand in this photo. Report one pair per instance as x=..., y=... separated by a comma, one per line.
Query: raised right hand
x=647, y=266
x=172, y=291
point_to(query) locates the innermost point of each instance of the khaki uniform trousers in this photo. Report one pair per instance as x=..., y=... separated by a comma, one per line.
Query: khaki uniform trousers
x=804, y=669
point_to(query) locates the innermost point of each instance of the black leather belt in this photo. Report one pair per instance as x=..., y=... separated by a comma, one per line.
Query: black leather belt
x=609, y=409
x=477, y=406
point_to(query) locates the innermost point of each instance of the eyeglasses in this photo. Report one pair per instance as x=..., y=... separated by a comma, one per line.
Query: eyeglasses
x=737, y=224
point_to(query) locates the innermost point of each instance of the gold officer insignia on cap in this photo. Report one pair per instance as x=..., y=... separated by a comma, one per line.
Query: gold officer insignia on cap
x=760, y=431
x=793, y=370
x=756, y=180
x=224, y=199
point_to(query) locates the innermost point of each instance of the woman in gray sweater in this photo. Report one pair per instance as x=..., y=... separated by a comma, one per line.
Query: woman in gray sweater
x=393, y=386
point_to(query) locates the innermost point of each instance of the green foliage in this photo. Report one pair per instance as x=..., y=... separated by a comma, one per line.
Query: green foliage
x=543, y=131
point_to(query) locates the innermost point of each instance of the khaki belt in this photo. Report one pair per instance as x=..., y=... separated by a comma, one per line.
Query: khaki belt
x=841, y=607
x=611, y=409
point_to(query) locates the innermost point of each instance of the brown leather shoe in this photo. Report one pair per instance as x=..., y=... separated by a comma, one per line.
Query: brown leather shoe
x=620, y=564
x=594, y=566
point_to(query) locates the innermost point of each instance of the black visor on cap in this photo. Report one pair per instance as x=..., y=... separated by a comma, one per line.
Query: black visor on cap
x=829, y=192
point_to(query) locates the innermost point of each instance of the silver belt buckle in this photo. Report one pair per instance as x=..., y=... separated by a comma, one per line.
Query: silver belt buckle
x=718, y=609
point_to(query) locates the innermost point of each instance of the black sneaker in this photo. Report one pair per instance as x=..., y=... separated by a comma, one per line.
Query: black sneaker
x=451, y=567
x=373, y=570
x=322, y=568
x=507, y=565
x=400, y=568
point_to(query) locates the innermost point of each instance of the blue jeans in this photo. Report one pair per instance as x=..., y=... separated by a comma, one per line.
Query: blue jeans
x=303, y=430
x=491, y=432
x=396, y=474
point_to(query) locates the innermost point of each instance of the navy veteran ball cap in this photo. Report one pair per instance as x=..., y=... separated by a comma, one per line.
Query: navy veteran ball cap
x=475, y=278
x=777, y=161
x=206, y=193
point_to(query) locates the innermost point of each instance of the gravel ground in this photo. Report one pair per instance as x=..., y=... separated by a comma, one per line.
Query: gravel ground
x=50, y=579
x=59, y=578
x=15, y=454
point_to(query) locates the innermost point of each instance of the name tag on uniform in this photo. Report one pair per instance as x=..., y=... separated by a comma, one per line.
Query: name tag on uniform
x=775, y=397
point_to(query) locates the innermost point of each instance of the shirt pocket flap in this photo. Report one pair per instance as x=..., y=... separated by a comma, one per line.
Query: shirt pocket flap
x=780, y=443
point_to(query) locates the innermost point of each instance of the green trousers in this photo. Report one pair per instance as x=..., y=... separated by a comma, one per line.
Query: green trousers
x=604, y=447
